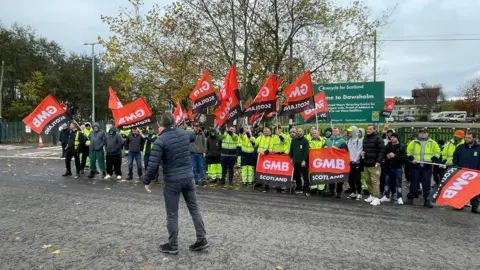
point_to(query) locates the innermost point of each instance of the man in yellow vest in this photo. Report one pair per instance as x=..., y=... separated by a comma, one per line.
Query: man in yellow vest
x=450, y=146
x=85, y=151
x=228, y=157
x=422, y=149
x=316, y=142
x=75, y=143
x=309, y=136
x=246, y=143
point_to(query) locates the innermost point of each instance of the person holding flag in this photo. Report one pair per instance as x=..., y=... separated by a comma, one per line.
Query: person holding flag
x=86, y=150
x=214, y=150
x=336, y=141
x=246, y=143
x=316, y=142
x=299, y=155
x=467, y=156
x=229, y=155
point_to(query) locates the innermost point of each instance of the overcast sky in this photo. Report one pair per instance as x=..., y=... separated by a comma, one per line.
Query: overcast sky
x=404, y=65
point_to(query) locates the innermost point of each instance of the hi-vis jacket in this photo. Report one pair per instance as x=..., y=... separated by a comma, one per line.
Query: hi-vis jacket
x=229, y=145
x=281, y=144
x=264, y=143
x=426, y=152
x=316, y=143
x=246, y=145
x=448, y=150
x=87, y=135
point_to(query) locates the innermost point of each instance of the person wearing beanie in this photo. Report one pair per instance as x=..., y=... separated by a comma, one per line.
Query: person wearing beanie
x=328, y=133
x=450, y=146
x=395, y=156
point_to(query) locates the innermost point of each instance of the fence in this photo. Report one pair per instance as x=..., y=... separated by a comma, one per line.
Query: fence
x=14, y=132
x=436, y=134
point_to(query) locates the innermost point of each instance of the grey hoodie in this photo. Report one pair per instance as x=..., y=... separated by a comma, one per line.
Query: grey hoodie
x=355, y=145
x=98, y=138
x=114, y=142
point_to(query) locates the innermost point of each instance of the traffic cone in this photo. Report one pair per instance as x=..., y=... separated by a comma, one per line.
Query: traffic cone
x=40, y=142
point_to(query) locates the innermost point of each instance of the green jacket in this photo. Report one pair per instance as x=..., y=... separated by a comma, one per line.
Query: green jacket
x=299, y=150
x=200, y=144
x=336, y=141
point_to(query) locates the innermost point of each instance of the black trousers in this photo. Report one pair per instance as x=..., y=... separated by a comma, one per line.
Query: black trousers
x=64, y=151
x=475, y=202
x=355, y=177
x=114, y=163
x=382, y=177
x=68, y=158
x=438, y=174
x=85, y=153
x=298, y=173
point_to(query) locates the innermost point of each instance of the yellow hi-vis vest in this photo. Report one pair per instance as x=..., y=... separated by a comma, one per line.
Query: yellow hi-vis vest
x=87, y=135
x=154, y=137
x=317, y=143
x=246, y=145
x=77, y=142
x=279, y=146
x=449, y=149
x=229, y=145
x=414, y=149
x=264, y=143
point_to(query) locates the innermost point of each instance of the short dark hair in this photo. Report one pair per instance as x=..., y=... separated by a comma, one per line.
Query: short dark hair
x=471, y=132
x=167, y=120
x=372, y=125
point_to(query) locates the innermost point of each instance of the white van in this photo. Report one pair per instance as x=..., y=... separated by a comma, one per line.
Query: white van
x=449, y=116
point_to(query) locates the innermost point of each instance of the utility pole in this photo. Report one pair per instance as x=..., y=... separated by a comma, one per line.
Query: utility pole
x=1, y=89
x=93, y=77
x=375, y=55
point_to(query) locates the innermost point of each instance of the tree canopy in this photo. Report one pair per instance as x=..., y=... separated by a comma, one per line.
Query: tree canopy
x=36, y=67
x=166, y=49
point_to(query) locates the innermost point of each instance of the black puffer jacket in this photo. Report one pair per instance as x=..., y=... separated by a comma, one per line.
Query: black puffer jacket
x=374, y=149
x=172, y=150
x=214, y=148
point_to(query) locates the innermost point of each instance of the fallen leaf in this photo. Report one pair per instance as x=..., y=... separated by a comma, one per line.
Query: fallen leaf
x=107, y=188
x=278, y=267
x=78, y=203
x=165, y=259
x=9, y=165
x=46, y=246
x=17, y=232
x=123, y=252
x=123, y=181
x=56, y=252
x=18, y=238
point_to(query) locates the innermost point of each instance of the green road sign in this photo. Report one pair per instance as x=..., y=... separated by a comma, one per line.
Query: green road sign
x=353, y=102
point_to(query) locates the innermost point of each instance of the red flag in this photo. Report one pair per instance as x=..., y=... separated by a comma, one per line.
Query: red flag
x=256, y=119
x=321, y=109
x=113, y=101
x=46, y=117
x=266, y=98
x=388, y=108
x=272, y=114
x=64, y=106
x=203, y=95
x=299, y=95
x=135, y=114
x=328, y=165
x=274, y=170
x=457, y=187
x=178, y=114
x=229, y=99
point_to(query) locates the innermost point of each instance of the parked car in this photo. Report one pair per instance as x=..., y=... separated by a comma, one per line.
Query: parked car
x=389, y=119
x=409, y=119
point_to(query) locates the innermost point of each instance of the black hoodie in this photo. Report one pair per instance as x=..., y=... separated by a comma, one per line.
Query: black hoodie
x=114, y=142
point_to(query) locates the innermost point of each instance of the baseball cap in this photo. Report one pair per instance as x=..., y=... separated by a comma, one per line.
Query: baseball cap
x=293, y=130
x=349, y=129
x=423, y=130
x=394, y=135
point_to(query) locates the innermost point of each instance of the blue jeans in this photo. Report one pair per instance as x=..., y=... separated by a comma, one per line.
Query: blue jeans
x=138, y=159
x=171, y=193
x=393, y=176
x=198, y=163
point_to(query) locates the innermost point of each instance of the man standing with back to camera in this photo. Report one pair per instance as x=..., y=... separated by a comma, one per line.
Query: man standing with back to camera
x=172, y=150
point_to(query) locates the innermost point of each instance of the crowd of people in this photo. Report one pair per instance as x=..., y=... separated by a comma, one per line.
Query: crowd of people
x=382, y=158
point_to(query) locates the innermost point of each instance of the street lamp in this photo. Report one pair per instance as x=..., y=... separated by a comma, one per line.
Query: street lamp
x=93, y=77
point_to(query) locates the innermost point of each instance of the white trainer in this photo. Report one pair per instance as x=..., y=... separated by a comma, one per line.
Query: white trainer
x=400, y=201
x=119, y=177
x=384, y=199
x=352, y=196
x=359, y=197
x=107, y=177
x=375, y=202
x=369, y=199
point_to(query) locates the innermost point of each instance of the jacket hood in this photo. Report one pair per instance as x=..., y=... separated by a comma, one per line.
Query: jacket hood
x=113, y=130
x=362, y=130
x=95, y=125
x=354, y=133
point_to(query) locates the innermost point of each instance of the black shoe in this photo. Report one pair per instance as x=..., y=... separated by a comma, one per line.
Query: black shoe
x=77, y=175
x=458, y=209
x=129, y=178
x=82, y=172
x=428, y=204
x=475, y=210
x=168, y=249
x=409, y=201
x=67, y=174
x=199, y=245
x=339, y=196
x=349, y=191
x=104, y=174
x=91, y=175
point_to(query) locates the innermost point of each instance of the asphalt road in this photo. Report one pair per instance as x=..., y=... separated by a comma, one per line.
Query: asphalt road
x=111, y=225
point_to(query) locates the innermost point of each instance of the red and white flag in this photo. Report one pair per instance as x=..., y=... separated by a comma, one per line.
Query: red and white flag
x=113, y=101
